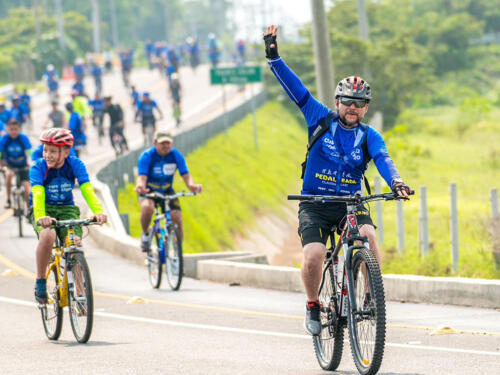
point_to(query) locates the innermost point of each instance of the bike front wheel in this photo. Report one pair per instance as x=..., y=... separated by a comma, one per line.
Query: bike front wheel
x=81, y=300
x=328, y=345
x=174, y=261
x=154, y=264
x=19, y=212
x=367, y=321
x=52, y=312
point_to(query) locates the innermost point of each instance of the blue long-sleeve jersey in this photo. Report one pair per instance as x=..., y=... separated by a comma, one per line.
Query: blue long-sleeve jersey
x=337, y=161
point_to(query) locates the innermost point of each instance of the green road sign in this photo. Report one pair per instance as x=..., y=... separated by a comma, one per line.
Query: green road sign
x=236, y=75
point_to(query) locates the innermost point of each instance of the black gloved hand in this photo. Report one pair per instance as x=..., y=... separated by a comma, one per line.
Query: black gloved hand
x=271, y=52
x=401, y=190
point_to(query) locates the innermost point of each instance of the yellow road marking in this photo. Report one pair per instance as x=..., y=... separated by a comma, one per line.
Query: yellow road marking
x=24, y=272
x=6, y=215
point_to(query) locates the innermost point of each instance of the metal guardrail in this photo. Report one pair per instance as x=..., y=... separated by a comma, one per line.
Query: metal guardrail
x=121, y=170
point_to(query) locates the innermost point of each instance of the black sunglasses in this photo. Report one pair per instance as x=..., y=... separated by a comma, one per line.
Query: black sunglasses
x=359, y=103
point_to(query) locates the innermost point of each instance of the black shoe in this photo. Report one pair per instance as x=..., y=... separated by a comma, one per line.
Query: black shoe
x=145, y=243
x=41, y=291
x=312, y=324
x=8, y=204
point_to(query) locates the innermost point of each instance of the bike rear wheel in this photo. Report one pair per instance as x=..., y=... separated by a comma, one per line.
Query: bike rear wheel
x=81, y=300
x=52, y=312
x=154, y=264
x=173, y=258
x=367, y=323
x=328, y=345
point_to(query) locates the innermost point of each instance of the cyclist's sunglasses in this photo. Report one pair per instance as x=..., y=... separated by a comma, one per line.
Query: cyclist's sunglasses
x=359, y=103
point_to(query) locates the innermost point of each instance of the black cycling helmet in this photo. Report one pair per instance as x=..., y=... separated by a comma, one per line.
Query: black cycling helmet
x=353, y=87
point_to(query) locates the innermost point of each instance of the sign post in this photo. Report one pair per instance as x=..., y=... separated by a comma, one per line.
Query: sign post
x=240, y=75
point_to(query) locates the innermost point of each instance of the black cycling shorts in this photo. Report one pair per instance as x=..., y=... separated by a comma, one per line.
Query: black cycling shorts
x=316, y=220
x=23, y=172
x=174, y=204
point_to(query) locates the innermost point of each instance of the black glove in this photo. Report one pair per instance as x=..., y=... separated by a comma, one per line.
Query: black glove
x=400, y=187
x=271, y=52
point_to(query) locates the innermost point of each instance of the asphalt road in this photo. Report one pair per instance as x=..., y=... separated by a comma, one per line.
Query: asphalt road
x=208, y=328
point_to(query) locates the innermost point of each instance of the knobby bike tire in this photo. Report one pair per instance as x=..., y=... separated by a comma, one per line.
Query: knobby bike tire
x=79, y=308
x=328, y=345
x=367, y=323
x=19, y=207
x=174, y=263
x=154, y=264
x=52, y=312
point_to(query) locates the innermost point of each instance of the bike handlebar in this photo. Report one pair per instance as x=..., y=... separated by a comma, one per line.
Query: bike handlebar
x=157, y=195
x=349, y=198
x=73, y=223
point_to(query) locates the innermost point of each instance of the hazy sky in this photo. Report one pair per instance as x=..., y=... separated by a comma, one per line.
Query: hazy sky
x=251, y=15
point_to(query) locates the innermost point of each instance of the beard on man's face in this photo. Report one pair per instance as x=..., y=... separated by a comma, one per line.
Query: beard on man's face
x=350, y=123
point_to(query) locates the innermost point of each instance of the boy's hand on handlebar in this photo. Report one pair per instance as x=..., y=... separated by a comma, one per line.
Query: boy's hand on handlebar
x=100, y=219
x=46, y=221
x=140, y=189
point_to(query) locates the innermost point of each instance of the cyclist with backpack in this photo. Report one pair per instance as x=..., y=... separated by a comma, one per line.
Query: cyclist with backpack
x=340, y=147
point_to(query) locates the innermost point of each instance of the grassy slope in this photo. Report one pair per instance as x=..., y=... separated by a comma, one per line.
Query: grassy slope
x=440, y=146
x=238, y=181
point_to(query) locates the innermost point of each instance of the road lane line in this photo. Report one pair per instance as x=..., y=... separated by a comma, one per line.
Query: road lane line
x=30, y=275
x=6, y=215
x=248, y=331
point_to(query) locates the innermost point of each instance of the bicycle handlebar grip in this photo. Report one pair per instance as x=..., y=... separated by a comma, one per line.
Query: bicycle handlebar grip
x=296, y=198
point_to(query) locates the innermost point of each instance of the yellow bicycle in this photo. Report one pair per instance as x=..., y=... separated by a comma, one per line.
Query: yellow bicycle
x=68, y=284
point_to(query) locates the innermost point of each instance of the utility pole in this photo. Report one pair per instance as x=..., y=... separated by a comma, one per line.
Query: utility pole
x=322, y=55
x=96, y=23
x=165, y=5
x=60, y=26
x=38, y=29
x=364, y=33
x=114, y=25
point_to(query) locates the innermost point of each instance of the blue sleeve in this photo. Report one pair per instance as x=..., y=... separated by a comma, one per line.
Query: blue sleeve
x=143, y=164
x=312, y=109
x=37, y=172
x=3, y=140
x=26, y=141
x=181, y=162
x=155, y=104
x=37, y=153
x=378, y=151
x=79, y=170
x=72, y=152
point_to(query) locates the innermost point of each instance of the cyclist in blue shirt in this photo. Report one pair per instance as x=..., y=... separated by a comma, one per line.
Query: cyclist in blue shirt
x=52, y=79
x=75, y=124
x=335, y=166
x=15, y=150
x=156, y=169
x=79, y=69
x=79, y=88
x=97, y=105
x=18, y=110
x=135, y=96
x=96, y=71
x=145, y=110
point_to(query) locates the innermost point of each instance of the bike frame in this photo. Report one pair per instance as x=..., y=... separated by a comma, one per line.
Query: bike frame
x=160, y=232
x=65, y=279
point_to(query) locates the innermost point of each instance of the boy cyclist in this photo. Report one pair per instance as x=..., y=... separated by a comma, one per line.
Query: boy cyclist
x=52, y=181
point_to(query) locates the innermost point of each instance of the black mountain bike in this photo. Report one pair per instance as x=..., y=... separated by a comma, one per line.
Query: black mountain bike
x=354, y=297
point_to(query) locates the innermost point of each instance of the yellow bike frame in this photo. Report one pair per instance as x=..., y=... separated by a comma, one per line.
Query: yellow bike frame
x=58, y=252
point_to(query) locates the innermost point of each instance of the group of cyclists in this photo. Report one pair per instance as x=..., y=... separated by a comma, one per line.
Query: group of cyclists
x=335, y=165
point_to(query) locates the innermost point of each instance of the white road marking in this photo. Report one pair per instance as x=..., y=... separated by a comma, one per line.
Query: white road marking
x=248, y=331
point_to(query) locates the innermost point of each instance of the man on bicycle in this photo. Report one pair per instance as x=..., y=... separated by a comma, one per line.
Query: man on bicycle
x=335, y=165
x=52, y=180
x=15, y=150
x=77, y=127
x=116, y=124
x=156, y=168
x=145, y=110
x=97, y=105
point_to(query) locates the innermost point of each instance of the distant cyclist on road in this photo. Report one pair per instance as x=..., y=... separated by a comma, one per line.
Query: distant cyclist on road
x=145, y=111
x=194, y=52
x=52, y=79
x=97, y=105
x=15, y=151
x=96, y=71
x=156, y=169
x=175, y=93
x=52, y=180
x=56, y=117
x=213, y=50
x=116, y=123
x=127, y=63
x=19, y=110
x=135, y=95
x=77, y=127
x=335, y=165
